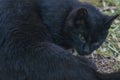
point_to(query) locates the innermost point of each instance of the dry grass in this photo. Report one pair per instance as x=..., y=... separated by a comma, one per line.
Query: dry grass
x=107, y=57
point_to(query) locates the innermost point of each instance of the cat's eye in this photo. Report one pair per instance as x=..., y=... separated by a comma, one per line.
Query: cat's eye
x=82, y=38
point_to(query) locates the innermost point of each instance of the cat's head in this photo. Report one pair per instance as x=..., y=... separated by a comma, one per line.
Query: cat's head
x=90, y=27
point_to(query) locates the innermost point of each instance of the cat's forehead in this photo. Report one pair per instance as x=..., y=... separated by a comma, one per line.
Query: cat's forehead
x=96, y=22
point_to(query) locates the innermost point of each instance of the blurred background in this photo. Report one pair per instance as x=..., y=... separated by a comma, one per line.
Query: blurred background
x=107, y=57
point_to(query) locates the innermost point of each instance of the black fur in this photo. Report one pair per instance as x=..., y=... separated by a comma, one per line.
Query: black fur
x=47, y=61
x=67, y=23
x=75, y=25
x=23, y=56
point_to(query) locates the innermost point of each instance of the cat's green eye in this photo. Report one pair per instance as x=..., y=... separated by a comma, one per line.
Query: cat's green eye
x=81, y=37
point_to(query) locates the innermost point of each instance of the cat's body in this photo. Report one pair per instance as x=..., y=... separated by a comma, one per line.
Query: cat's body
x=23, y=56
x=20, y=27
x=50, y=62
x=67, y=23
x=89, y=33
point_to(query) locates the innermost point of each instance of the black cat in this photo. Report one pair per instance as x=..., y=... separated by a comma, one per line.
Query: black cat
x=23, y=56
x=67, y=23
x=75, y=25
x=48, y=61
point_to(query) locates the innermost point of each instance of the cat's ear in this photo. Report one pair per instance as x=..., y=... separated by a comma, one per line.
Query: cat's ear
x=109, y=20
x=78, y=14
x=82, y=13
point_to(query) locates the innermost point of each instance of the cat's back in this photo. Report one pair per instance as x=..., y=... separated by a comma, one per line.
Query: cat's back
x=54, y=13
x=52, y=10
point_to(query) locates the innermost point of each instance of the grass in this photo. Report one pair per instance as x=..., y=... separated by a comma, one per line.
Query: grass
x=110, y=50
